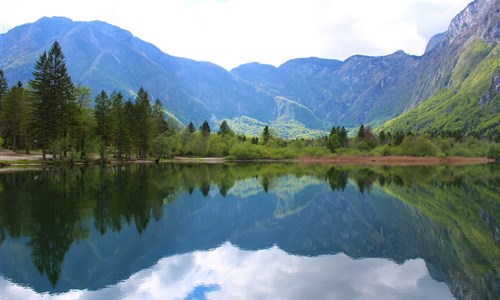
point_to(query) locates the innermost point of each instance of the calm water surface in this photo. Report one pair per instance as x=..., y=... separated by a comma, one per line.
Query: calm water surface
x=250, y=231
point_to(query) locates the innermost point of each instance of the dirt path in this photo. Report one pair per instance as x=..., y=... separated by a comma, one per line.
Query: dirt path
x=7, y=155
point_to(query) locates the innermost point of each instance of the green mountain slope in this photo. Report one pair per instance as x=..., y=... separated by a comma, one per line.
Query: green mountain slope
x=470, y=104
x=459, y=78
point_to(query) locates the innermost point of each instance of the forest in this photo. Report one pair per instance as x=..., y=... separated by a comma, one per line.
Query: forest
x=61, y=119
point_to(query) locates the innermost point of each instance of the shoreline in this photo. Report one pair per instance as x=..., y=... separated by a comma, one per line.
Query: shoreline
x=10, y=160
x=400, y=160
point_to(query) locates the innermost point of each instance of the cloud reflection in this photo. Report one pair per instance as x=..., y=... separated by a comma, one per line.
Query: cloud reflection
x=230, y=273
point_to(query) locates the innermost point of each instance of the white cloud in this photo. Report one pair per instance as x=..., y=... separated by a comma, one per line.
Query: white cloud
x=233, y=32
x=230, y=273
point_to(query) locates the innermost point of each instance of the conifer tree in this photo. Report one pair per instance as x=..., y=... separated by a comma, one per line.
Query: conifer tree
x=342, y=134
x=120, y=135
x=3, y=91
x=361, y=132
x=205, y=129
x=190, y=128
x=266, y=135
x=225, y=130
x=17, y=116
x=142, y=122
x=102, y=115
x=55, y=102
x=160, y=125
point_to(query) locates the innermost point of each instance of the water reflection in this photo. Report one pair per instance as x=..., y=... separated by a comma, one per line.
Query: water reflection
x=230, y=273
x=122, y=220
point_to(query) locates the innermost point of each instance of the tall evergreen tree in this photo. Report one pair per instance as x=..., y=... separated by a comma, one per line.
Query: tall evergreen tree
x=120, y=135
x=3, y=91
x=205, y=129
x=190, y=128
x=342, y=134
x=361, y=132
x=102, y=115
x=225, y=130
x=160, y=125
x=17, y=116
x=266, y=135
x=128, y=127
x=55, y=99
x=142, y=121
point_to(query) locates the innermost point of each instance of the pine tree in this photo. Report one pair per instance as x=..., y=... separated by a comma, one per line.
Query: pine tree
x=333, y=131
x=128, y=127
x=142, y=121
x=17, y=115
x=205, y=129
x=120, y=135
x=55, y=102
x=342, y=133
x=3, y=91
x=102, y=115
x=361, y=132
x=190, y=128
x=266, y=135
x=159, y=123
x=225, y=130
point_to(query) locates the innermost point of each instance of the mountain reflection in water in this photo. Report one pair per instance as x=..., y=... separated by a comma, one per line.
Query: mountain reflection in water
x=312, y=230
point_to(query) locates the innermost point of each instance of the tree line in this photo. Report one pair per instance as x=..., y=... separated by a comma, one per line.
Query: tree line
x=53, y=114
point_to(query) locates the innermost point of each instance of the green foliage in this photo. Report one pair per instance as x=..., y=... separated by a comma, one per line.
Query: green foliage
x=314, y=152
x=245, y=151
x=286, y=128
x=493, y=152
x=160, y=147
x=417, y=146
x=225, y=130
x=361, y=132
x=468, y=105
x=142, y=125
x=55, y=109
x=3, y=91
x=122, y=128
x=16, y=119
x=266, y=135
x=205, y=129
x=190, y=128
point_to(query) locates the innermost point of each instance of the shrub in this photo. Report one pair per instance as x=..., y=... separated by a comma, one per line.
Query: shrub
x=245, y=151
x=494, y=152
x=417, y=146
x=316, y=152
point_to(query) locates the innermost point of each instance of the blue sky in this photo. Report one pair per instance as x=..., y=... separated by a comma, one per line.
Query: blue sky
x=233, y=32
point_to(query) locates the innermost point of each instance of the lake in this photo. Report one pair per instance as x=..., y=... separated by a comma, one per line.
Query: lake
x=250, y=231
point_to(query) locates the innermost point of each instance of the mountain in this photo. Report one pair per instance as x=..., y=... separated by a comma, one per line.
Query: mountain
x=457, y=76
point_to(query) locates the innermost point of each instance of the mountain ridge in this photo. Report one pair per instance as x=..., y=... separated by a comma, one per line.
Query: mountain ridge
x=321, y=92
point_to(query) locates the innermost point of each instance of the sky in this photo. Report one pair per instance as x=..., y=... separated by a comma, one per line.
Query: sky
x=234, y=32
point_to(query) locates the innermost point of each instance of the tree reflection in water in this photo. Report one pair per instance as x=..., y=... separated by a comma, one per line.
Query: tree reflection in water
x=456, y=229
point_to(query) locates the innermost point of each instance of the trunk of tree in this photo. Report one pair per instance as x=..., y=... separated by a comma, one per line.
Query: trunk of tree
x=14, y=143
x=82, y=147
x=44, y=157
